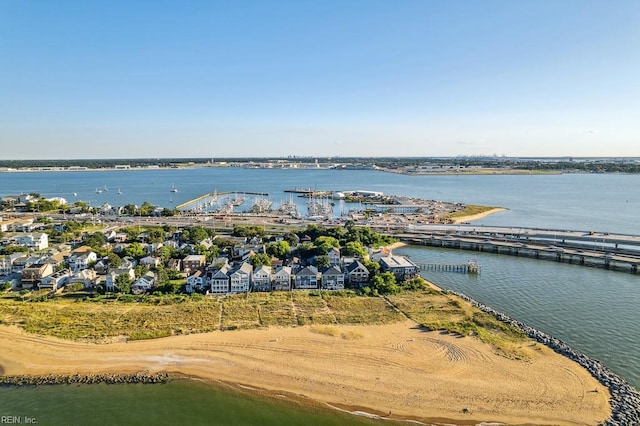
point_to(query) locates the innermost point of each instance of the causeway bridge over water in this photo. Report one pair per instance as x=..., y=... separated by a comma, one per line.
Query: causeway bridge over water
x=619, y=252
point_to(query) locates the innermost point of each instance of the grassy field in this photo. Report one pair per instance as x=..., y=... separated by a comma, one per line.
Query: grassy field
x=439, y=311
x=80, y=317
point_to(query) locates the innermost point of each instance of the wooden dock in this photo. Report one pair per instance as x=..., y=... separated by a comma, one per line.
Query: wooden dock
x=470, y=267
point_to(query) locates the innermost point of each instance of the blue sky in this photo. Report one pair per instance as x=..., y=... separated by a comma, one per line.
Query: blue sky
x=121, y=79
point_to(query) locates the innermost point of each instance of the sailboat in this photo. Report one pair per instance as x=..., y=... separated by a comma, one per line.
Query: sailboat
x=119, y=191
x=173, y=188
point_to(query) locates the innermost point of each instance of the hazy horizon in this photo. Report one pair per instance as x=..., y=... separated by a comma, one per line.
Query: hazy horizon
x=330, y=79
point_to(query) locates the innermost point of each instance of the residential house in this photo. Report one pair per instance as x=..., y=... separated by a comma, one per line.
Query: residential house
x=174, y=264
x=240, y=278
x=102, y=266
x=195, y=281
x=110, y=279
x=219, y=279
x=31, y=275
x=120, y=237
x=35, y=241
x=144, y=283
x=357, y=274
x=24, y=261
x=193, y=262
x=57, y=259
x=6, y=263
x=334, y=256
x=402, y=267
x=150, y=261
x=333, y=278
x=262, y=278
x=306, y=278
x=55, y=281
x=243, y=252
x=81, y=260
x=86, y=277
x=282, y=278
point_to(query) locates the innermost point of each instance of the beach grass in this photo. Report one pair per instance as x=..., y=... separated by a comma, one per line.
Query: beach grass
x=469, y=210
x=435, y=310
x=79, y=317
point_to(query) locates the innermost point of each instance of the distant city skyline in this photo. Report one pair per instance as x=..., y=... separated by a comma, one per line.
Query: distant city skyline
x=328, y=79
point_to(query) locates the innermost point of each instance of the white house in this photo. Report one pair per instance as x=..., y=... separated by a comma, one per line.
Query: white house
x=34, y=241
x=240, y=278
x=144, y=283
x=262, y=278
x=86, y=277
x=81, y=260
x=110, y=279
x=195, y=281
x=55, y=280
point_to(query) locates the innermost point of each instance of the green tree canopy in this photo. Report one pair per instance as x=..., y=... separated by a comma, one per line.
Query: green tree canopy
x=260, y=259
x=280, y=249
x=134, y=250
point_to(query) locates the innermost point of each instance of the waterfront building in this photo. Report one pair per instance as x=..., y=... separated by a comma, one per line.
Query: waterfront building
x=402, y=267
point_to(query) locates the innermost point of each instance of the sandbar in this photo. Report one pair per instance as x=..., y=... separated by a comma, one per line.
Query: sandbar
x=398, y=369
x=478, y=216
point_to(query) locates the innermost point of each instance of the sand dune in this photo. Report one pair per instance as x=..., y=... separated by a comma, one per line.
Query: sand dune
x=394, y=368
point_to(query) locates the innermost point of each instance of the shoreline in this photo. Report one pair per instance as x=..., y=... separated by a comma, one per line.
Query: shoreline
x=397, y=368
x=478, y=216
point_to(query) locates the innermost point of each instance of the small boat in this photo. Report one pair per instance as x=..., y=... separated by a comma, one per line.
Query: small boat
x=173, y=188
x=75, y=194
x=98, y=191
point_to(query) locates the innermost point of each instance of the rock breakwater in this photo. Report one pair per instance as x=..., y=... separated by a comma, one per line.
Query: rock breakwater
x=625, y=399
x=61, y=379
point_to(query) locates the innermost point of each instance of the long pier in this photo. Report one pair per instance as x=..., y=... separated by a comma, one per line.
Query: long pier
x=465, y=268
x=609, y=251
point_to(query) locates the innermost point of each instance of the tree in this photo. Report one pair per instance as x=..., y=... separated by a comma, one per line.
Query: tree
x=306, y=250
x=13, y=249
x=323, y=244
x=280, y=249
x=166, y=252
x=260, y=259
x=113, y=260
x=140, y=270
x=123, y=283
x=372, y=267
x=155, y=235
x=95, y=240
x=197, y=234
x=146, y=209
x=354, y=248
x=134, y=250
x=322, y=261
x=385, y=283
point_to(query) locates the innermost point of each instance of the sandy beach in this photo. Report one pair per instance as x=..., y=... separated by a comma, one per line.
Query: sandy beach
x=478, y=216
x=397, y=369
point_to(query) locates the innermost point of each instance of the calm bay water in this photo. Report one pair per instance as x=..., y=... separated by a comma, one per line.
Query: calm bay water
x=181, y=402
x=595, y=311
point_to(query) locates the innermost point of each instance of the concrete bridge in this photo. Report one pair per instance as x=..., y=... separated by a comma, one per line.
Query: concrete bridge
x=604, y=250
